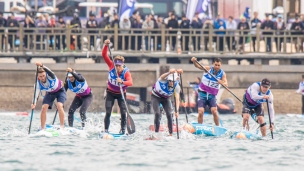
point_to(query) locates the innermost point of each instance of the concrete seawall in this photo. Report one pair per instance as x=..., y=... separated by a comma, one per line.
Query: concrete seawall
x=17, y=82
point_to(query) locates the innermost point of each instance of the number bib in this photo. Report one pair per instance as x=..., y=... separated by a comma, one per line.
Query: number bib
x=209, y=84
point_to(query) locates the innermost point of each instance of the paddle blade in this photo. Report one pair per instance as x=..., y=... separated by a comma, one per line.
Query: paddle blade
x=130, y=125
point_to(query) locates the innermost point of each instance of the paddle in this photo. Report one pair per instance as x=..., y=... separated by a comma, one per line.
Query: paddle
x=175, y=109
x=36, y=80
x=269, y=118
x=66, y=77
x=183, y=96
x=130, y=122
x=218, y=80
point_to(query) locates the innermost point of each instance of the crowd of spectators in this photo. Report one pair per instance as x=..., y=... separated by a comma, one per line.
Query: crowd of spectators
x=224, y=31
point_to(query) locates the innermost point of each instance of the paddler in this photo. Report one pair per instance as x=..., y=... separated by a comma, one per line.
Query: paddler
x=209, y=87
x=113, y=90
x=255, y=95
x=163, y=89
x=83, y=98
x=301, y=91
x=48, y=82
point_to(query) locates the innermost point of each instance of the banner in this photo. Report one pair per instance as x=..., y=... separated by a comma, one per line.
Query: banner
x=200, y=6
x=126, y=8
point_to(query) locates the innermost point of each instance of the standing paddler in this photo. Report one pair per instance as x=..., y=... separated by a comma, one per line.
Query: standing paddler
x=83, y=98
x=48, y=82
x=209, y=87
x=124, y=79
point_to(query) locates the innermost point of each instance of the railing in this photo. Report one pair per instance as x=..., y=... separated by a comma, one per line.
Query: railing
x=153, y=40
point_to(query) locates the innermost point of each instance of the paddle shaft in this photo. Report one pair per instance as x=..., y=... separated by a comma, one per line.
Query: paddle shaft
x=29, y=130
x=128, y=116
x=183, y=96
x=218, y=80
x=175, y=109
x=269, y=118
x=66, y=77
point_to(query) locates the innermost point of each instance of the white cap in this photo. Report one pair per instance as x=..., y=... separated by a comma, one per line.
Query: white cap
x=170, y=77
x=70, y=74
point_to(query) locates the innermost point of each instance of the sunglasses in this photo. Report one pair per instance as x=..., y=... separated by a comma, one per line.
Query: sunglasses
x=265, y=86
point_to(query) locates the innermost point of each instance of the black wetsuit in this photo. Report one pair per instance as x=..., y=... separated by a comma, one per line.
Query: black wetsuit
x=83, y=101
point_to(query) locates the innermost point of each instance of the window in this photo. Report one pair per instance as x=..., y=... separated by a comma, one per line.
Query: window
x=2, y=6
x=158, y=7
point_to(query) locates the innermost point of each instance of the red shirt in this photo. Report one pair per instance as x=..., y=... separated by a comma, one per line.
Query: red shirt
x=127, y=77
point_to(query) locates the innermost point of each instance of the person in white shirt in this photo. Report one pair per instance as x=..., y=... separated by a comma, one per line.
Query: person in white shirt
x=301, y=90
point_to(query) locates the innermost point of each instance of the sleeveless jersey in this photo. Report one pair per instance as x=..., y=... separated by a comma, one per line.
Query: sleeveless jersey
x=209, y=84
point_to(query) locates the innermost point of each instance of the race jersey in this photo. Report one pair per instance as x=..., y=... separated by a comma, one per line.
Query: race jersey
x=160, y=89
x=254, y=97
x=209, y=84
x=81, y=88
x=51, y=85
x=113, y=84
x=125, y=75
x=301, y=88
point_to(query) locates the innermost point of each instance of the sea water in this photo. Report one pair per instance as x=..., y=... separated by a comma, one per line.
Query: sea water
x=85, y=152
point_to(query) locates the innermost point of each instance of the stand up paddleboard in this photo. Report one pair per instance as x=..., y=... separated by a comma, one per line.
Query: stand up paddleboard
x=245, y=135
x=54, y=131
x=209, y=130
x=111, y=136
x=162, y=128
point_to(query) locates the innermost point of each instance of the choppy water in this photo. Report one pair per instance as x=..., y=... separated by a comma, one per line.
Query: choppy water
x=18, y=151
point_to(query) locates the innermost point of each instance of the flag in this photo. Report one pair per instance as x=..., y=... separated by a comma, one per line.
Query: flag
x=200, y=6
x=126, y=8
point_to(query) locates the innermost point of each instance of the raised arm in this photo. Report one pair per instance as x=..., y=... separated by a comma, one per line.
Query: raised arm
x=165, y=75
x=195, y=62
x=105, y=54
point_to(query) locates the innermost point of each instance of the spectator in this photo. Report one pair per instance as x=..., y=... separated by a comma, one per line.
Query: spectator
x=133, y=19
x=76, y=28
x=92, y=24
x=208, y=24
x=125, y=24
x=148, y=25
x=115, y=21
x=302, y=38
x=40, y=23
x=28, y=23
x=138, y=26
x=2, y=29
x=14, y=27
x=197, y=26
x=231, y=26
x=220, y=25
x=255, y=22
x=61, y=24
x=170, y=13
x=243, y=26
x=185, y=25
x=279, y=26
x=154, y=32
x=51, y=24
x=173, y=24
x=296, y=29
x=267, y=26
x=160, y=24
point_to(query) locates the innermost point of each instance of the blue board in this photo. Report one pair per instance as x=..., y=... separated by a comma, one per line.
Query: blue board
x=210, y=130
x=245, y=135
x=112, y=136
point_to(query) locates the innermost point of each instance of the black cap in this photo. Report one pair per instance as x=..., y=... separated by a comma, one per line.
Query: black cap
x=267, y=15
x=266, y=82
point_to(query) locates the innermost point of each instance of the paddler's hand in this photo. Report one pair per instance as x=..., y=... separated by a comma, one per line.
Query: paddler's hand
x=180, y=71
x=193, y=59
x=172, y=71
x=266, y=97
x=33, y=106
x=271, y=126
x=176, y=114
x=222, y=83
x=39, y=64
x=69, y=70
x=107, y=42
x=119, y=80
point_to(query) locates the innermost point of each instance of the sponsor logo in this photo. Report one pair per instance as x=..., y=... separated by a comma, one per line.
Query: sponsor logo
x=205, y=128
